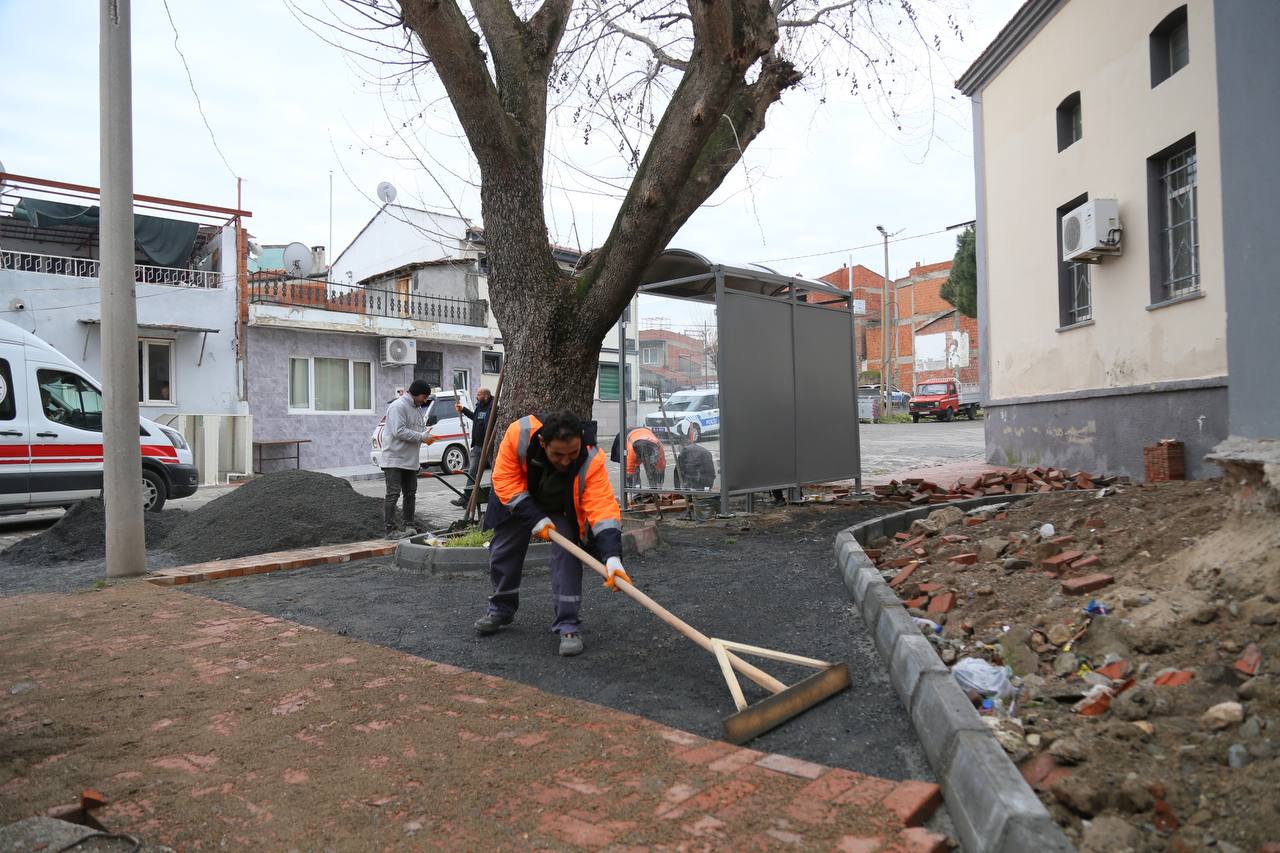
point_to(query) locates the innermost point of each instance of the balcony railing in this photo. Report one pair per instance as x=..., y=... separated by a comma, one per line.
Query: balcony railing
x=90, y=268
x=372, y=302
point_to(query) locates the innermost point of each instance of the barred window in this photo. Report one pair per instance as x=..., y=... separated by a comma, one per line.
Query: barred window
x=1180, y=232
x=1075, y=295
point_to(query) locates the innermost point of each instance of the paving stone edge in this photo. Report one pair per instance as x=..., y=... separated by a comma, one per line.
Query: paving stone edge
x=993, y=808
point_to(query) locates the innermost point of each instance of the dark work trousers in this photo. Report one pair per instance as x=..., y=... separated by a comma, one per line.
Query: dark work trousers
x=506, y=564
x=399, y=480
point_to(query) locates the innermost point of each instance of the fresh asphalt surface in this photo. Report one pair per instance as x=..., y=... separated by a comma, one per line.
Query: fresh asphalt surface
x=773, y=584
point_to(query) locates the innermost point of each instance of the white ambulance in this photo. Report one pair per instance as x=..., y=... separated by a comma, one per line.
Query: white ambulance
x=51, y=433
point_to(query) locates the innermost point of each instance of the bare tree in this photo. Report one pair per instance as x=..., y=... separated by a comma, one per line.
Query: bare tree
x=682, y=89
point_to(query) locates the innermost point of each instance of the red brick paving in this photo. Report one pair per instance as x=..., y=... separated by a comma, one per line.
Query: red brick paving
x=206, y=725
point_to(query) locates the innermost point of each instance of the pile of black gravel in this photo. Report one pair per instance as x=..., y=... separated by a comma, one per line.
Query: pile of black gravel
x=81, y=534
x=276, y=512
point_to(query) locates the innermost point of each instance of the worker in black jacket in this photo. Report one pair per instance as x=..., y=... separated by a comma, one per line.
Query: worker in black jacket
x=480, y=423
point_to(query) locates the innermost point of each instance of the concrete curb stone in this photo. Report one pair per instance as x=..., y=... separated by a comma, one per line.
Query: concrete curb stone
x=991, y=804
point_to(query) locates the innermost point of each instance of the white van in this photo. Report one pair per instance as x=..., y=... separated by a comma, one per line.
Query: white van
x=51, y=433
x=451, y=450
x=694, y=413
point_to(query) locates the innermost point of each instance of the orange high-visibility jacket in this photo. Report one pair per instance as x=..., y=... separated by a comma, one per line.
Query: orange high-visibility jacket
x=593, y=500
x=633, y=458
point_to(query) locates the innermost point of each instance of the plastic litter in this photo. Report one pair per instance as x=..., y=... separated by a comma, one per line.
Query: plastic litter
x=1047, y=531
x=984, y=678
x=1096, y=608
x=928, y=624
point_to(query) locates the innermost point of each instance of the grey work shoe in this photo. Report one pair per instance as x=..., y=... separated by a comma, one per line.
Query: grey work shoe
x=570, y=645
x=393, y=535
x=490, y=623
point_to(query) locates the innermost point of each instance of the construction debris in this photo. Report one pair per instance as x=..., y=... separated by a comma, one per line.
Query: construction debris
x=918, y=491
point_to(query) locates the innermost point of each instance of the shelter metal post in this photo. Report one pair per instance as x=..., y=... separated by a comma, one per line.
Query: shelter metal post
x=722, y=432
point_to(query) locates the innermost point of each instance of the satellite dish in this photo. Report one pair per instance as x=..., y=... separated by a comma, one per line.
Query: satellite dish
x=386, y=192
x=297, y=260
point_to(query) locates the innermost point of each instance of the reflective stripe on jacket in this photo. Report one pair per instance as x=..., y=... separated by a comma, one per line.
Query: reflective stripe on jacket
x=633, y=458
x=593, y=501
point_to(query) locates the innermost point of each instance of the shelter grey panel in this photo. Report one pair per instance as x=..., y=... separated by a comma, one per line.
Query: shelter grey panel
x=825, y=406
x=757, y=392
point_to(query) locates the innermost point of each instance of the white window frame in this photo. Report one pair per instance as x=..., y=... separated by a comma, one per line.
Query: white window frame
x=466, y=378
x=145, y=359
x=310, y=408
x=496, y=355
x=649, y=355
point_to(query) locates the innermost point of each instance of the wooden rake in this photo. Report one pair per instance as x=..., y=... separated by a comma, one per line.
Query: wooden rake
x=750, y=720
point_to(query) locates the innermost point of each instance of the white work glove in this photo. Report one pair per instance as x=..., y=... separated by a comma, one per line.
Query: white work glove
x=613, y=566
x=543, y=529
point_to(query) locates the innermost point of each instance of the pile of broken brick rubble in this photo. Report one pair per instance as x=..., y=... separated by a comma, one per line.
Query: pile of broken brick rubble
x=1130, y=738
x=1020, y=481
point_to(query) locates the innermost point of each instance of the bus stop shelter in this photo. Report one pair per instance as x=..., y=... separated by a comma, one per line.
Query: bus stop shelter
x=788, y=373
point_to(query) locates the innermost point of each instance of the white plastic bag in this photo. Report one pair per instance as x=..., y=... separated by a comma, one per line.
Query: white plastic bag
x=984, y=678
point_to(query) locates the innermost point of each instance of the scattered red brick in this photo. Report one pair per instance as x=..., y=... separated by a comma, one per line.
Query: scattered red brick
x=956, y=538
x=902, y=537
x=1060, y=561
x=967, y=559
x=1164, y=820
x=973, y=521
x=1087, y=562
x=917, y=602
x=873, y=554
x=942, y=603
x=1116, y=671
x=920, y=552
x=1250, y=661
x=930, y=587
x=1096, y=523
x=1064, y=539
x=1088, y=583
x=1095, y=705
x=901, y=577
x=1175, y=679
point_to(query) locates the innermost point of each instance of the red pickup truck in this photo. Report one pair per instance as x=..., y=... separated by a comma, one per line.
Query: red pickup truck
x=944, y=399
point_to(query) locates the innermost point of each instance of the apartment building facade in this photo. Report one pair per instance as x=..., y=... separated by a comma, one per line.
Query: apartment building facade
x=1161, y=114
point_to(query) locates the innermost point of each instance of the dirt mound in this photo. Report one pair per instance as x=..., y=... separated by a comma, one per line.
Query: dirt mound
x=1157, y=719
x=277, y=512
x=81, y=534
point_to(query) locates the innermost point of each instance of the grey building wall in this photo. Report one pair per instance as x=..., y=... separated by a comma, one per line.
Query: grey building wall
x=1104, y=432
x=205, y=383
x=1246, y=34
x=337, y=440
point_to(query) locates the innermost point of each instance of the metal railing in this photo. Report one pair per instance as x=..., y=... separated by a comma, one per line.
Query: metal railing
x=372, y=302
x=90, y=267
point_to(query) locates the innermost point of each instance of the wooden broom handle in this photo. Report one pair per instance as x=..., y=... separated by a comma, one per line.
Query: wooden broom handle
x=759, y=676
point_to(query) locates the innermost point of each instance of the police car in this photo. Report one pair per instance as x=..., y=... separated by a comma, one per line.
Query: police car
x=51, y=433
x=694, y=414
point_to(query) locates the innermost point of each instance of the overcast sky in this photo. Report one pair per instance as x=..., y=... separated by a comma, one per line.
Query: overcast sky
x=287, y=110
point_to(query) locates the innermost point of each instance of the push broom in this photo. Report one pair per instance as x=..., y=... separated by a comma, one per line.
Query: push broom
x=750, y=720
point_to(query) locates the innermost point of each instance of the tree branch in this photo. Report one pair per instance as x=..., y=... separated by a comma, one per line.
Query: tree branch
x=454, y=50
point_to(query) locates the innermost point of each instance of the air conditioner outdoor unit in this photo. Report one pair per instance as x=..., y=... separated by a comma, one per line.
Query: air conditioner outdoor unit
x=399, y=351
x=1092, y=230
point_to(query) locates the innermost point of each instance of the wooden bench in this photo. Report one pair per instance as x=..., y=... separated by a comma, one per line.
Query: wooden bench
x=296, y=456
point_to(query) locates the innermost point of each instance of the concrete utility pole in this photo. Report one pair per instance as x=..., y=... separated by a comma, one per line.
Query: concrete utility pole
x=122, y=461
x=886, y=314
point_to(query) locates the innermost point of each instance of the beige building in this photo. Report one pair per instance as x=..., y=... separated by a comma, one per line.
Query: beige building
x=1120, y=149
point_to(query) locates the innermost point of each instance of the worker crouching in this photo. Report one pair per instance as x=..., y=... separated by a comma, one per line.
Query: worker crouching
x=549, y=475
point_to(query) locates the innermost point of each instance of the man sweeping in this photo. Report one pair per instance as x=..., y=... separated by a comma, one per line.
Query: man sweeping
x=549, y=475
